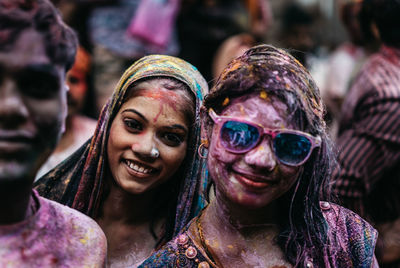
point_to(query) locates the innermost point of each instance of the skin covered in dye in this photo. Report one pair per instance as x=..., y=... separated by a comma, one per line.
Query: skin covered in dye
x=256, y=178
x=36, y=232
x=74, y=241
x=241, y=220
x=152, y=118
x=32, y=110
x=32, y=105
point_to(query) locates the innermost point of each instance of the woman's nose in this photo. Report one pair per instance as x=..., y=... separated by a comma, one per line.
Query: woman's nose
x=262, y=156
x=146, y=147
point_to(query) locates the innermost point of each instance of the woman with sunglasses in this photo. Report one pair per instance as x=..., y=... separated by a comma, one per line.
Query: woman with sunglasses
x=270, y=160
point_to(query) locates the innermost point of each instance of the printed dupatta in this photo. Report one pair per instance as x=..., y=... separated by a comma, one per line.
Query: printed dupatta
x=78, y=181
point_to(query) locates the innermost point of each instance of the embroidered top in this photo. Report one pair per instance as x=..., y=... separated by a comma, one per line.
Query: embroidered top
x=352, y=243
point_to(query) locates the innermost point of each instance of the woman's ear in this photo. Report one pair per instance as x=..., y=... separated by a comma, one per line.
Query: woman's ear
x=206, y=126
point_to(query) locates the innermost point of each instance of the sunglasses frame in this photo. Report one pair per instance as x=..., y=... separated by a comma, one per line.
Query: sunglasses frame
x=220, y=120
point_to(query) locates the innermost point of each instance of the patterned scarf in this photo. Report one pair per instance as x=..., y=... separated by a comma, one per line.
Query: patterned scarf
x=79, y=181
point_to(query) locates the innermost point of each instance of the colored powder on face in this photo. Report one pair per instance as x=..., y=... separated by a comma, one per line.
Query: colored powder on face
x=165, y=97
x=242, y=111
x=264, y=95
x=154, y=94
x=225, y=102
x=136, y=146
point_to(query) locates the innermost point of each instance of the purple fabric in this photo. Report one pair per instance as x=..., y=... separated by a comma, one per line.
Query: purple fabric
x=351, y=244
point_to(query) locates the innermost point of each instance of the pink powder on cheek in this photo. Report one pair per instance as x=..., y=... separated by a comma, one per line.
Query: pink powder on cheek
x=135, y=146
x=219, y=153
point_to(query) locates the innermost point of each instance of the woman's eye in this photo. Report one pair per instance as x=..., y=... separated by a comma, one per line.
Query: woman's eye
x=172, y=139
x=133, y=124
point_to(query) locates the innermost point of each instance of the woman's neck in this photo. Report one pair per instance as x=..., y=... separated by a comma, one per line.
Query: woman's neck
x=128, y=221
x=123, y=206
x=241, y=218
x=236, y=236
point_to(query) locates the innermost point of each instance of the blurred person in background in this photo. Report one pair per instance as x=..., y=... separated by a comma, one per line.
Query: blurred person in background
x=126, y=31
x=78, y=128
x=230, y=49
x=346, y=61
x=297, y=32
x=36, y=51
x=118, y=32
x=203, y=26
x=367, y=180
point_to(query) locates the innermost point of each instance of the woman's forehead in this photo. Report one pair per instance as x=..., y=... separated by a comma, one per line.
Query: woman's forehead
x=160, y=89
x=261, y=107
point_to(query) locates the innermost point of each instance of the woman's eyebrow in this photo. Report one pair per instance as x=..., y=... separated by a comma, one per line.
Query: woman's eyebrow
x=135, y=112
x=177, y=126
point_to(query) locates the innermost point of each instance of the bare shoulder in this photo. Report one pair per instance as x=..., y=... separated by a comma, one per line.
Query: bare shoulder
x=80, y=234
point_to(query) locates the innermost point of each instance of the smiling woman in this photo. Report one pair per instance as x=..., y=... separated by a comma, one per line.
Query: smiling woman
x=270, y=160
x=140, y=176
x=148, y=137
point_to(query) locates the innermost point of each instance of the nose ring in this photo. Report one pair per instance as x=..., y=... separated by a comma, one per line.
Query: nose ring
x=154, y=153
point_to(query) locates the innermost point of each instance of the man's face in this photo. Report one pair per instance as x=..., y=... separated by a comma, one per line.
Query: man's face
x=32, y=107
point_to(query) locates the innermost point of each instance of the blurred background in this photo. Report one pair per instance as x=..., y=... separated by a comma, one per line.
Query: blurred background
x=327, y=36
x=117, y=32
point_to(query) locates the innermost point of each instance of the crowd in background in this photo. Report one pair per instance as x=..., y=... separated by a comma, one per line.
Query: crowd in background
x=210, y=33
x=355, y=66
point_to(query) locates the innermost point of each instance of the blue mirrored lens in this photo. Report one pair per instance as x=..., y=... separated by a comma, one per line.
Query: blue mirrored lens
x=291, y=148
x=238, y=136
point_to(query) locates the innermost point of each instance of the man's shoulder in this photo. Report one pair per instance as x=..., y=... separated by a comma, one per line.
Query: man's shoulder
x=54, y=236
x=79, y=232
x=382, y=74
x=65, y=215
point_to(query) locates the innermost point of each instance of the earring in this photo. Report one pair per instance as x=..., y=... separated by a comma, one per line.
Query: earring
x=154, y=153
x=201, y=150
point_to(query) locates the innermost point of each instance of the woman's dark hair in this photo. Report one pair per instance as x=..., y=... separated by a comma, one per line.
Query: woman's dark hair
x=265, y=68
x=167, y=195
x=19, y=15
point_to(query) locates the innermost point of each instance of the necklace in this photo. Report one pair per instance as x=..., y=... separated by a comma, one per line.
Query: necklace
x=203, y=242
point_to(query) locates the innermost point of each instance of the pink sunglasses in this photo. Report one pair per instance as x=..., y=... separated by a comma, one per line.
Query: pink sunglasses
x=291, y=147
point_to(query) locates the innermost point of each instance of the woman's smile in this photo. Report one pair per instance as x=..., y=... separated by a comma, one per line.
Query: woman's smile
x=252, y=179
x=250, y=182
x=140, y=169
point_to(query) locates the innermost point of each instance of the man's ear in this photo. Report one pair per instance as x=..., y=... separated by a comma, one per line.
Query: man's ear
x=206, y=126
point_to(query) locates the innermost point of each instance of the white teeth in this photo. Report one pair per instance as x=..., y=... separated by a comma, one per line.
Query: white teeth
x=138, y=168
